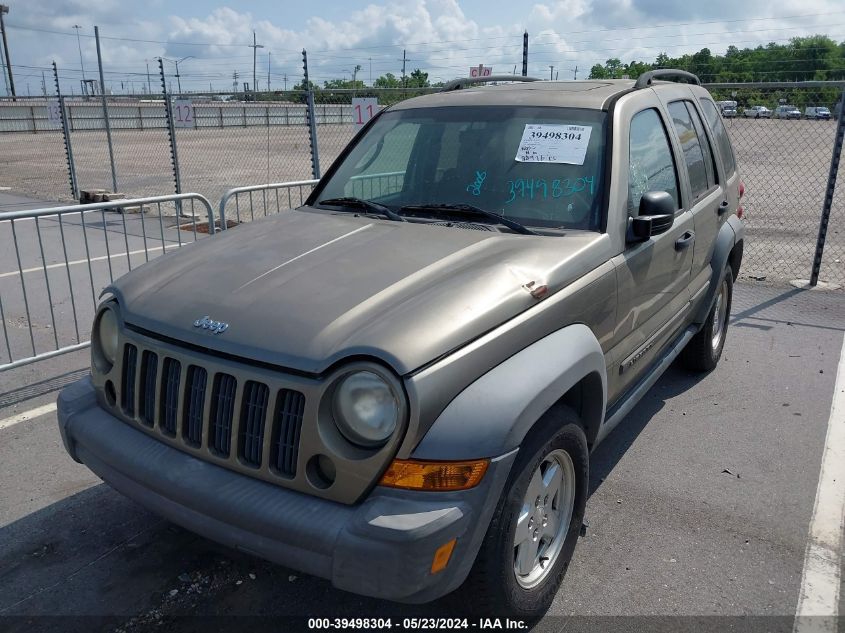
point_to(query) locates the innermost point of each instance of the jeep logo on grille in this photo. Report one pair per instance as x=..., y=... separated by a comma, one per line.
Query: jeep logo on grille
x=207, y=323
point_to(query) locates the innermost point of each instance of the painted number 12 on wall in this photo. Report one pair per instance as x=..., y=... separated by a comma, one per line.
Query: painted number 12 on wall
x=183, y=113
x=363, y=109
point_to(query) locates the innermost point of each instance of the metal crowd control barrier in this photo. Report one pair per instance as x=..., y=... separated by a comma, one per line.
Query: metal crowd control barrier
x=57, y=254
x=279, y=196
x=269, y=194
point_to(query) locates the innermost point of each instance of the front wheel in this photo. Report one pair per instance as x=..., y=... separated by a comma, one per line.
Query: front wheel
x=704, y=350
x=534, y=530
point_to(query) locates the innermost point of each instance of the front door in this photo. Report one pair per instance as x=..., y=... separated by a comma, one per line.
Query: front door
x=652, y=276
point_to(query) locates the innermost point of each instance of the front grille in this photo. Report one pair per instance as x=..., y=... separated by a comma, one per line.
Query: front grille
x=290, y=407
x=194, y=404
x=253, y=412
x=147, y=404
x=127, y=391
x=222, y=412
x=170, y=375
x=201, y=409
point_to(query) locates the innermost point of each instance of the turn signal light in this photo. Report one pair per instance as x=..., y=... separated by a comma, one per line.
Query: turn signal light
x=442, y=556
x=438, y=476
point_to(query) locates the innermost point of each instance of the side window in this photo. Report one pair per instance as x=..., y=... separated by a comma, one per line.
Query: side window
x=723, y=142
x=652, y=166
x=709, y=160
x=693, y=154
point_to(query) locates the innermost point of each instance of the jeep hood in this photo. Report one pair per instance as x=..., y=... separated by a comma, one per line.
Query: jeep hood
x=303, y=289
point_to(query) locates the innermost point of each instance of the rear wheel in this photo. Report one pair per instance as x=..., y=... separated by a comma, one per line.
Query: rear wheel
x=703, y=351
x=535, y=527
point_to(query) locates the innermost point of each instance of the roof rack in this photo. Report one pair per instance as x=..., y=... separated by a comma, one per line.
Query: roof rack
x=647, y=78
x=457, y=84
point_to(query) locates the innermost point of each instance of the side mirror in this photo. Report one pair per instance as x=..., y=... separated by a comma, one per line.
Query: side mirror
x=656, y=216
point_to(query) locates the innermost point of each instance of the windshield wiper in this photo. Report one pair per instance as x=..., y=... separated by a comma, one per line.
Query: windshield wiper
x=363, y=204
x=472, y=210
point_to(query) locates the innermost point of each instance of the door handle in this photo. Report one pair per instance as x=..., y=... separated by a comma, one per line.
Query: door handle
x=723, y=208
x=685, y=241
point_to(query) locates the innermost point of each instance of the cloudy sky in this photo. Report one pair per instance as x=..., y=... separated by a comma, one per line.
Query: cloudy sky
x=442, y=37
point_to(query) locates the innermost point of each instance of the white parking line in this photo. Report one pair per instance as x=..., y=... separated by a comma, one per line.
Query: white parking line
x=36, y=269
x=820, y=581
x=28, y=415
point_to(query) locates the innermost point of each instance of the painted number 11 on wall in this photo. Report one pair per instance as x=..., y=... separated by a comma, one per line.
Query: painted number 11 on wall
x=363, y=109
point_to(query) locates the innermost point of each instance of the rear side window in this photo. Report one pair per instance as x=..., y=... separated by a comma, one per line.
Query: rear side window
x=709, y=160
x=651, y=167
x=693, y=154
x=721, y=134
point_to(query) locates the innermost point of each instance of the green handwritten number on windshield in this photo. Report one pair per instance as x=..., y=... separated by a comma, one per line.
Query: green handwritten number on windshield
x=538, y=188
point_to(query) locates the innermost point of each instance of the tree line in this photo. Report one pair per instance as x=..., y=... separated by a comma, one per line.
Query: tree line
x=813, y=58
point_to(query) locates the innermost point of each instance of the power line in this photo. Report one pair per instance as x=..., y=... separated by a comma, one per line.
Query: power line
x=419, y=44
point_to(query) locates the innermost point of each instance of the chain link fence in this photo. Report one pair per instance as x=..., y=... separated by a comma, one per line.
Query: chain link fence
x=784, y=155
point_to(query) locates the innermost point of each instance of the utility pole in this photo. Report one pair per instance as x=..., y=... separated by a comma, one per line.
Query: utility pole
x=268, y=70
x=3, y=68
x=525, y=54
x=79, y=45
x=235, y=81
x=255, y=48
x=149, y=87
x=3, y=10
x=43, y=84
x=286, y=82
x=576, y=73
x=105, y=109
x=371, y=71
x=404, y=59
x=178, y=78
x=551, y=72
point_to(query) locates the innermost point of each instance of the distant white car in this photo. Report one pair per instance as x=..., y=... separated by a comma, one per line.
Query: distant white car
x=727, y=108
x=817, y=112
x=757, y=112
x=786, y=112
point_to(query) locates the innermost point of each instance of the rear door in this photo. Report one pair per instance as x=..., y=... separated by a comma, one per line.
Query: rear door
x=708, y=202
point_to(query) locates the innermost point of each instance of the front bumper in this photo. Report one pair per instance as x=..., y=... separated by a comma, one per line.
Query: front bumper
x=382, y=547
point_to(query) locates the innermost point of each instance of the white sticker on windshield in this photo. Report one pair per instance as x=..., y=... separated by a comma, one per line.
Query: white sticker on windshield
x=547, y=143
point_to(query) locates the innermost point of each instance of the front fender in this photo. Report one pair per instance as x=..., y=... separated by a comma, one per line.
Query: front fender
x=493, y=414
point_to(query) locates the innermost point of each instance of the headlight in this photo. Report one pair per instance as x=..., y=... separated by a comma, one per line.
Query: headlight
x=107, y=337
x=365, y=408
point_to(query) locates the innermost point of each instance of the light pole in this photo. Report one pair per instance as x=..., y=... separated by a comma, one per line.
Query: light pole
x=255, y=48
x=176, y=62
x=178, y=80
x=79, y=45
x=3, y=10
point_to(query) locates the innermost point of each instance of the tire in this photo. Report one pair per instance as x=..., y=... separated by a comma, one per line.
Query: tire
x=704, y=350
x=494, y=585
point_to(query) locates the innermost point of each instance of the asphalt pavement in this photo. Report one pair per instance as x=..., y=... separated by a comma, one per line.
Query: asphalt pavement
x=700, y=506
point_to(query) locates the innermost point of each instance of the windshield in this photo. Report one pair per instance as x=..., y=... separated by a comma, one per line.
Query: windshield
x=539, y=166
